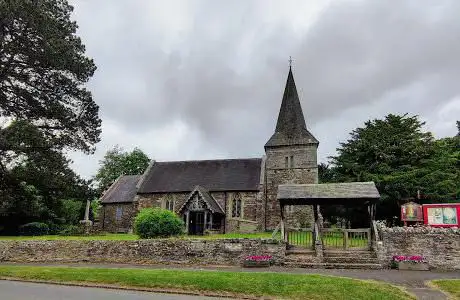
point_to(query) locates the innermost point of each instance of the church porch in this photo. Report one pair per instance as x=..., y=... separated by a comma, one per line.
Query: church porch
x=201, y=213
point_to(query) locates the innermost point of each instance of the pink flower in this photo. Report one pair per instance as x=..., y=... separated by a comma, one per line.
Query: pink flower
x=259, y=257
x=412, y=258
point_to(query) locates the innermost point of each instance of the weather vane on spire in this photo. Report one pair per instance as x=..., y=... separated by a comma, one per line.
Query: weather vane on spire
x=290, y=61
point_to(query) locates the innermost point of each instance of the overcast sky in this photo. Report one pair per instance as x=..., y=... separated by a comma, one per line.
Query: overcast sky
x=204, y=79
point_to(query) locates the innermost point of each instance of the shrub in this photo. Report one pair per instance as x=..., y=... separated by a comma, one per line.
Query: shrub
x=34, y=229
x=72, y=211
x=54, y=228
x=156, y=222
x=96, y=207
x=72, y=230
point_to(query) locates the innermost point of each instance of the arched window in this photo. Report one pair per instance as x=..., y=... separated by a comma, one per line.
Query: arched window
x=169, y=203
x=236, y=206
x=119, y=213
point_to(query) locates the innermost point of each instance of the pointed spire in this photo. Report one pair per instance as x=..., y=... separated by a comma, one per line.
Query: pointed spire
x=290, y=127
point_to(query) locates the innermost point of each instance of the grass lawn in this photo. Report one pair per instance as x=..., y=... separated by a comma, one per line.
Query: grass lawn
x=284, y=286
x=130, y=237
x=300, y=239
x=108, y=236
x=450, y=286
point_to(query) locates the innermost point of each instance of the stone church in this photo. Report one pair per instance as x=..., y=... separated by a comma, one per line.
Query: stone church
x=224, y=195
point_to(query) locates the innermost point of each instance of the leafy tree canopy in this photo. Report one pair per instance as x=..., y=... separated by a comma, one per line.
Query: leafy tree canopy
x=44, y=110
x=35, y=182
x=43, y=68
x=400, y=158
x=118, y=162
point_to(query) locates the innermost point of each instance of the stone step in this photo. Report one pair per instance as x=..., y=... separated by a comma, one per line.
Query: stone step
x=301, y=259
x=363, y=255
x=300, y=251
x=309, y=265
x=349, y=253
x=350, y=259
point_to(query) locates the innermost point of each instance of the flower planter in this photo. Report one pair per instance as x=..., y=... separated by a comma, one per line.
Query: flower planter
x=407, y=265
x=256, y=264
x=413, y=262
x=257, y=261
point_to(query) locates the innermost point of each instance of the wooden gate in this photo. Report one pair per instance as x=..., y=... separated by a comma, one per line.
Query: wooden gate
x=300, y=238
x=336, y=238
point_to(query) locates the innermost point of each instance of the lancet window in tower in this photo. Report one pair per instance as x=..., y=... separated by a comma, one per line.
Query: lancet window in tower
x=289, y=162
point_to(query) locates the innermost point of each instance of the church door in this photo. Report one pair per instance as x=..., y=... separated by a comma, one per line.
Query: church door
x=196, y=225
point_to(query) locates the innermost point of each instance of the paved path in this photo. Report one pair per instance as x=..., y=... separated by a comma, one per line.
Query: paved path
x=13, y=290
x=413, y=281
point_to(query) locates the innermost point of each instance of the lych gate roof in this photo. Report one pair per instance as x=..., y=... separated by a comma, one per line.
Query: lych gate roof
x=214, y=175
x=122, y=190
x=290, y=127
x=343, y=193
x=208, y=199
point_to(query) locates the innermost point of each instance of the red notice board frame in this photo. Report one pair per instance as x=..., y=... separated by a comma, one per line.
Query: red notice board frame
x=426, y=217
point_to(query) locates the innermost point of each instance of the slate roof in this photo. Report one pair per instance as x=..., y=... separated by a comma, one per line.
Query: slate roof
x=213, y=175
x=207, y=197
x=122, y=190
x=346, y=190
x=290, y=127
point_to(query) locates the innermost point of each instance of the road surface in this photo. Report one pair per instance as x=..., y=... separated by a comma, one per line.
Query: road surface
x=14, y=290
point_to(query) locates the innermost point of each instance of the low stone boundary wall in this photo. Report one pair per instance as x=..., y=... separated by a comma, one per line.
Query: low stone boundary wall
x=440, y=246
x=155, y=251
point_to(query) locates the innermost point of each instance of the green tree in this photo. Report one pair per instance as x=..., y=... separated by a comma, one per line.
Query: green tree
x=118, y=162
x=35, y=182
x=326, y=173
x=72, y=211
x=439, y=178
x=44, y=109
x=43, y=69
x=389, y=152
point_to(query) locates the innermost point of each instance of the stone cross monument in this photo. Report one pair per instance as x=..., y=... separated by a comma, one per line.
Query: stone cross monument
x=86, y=222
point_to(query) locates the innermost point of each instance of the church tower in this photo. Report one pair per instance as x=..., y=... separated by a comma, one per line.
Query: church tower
x=291, y=158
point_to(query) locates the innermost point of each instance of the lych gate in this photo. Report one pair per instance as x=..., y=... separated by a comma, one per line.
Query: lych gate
x=319, y=238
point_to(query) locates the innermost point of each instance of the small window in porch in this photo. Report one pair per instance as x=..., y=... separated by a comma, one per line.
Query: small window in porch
x=236, y=206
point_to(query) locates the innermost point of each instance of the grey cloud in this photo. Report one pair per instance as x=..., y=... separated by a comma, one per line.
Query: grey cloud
x=225, y=76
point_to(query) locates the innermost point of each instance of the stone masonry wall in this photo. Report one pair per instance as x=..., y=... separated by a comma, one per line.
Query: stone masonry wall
x=247, y=222
x=109, y=217
x=155, y=251
x=158, y=200
x=305, y=170
x=440, y=246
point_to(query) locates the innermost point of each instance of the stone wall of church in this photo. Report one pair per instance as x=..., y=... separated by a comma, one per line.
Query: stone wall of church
x=110, y=222
x=247, y=222
x=304, y=170
x=159, y=200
